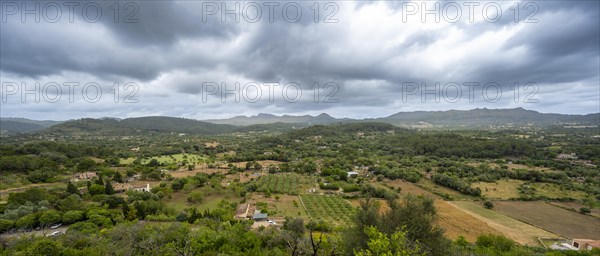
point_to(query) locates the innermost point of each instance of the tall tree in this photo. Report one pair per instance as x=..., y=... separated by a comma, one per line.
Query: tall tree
x=72, y=189
x=108, y=189
x=414, y=214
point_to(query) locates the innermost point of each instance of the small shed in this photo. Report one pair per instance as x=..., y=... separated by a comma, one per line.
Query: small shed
x=352, y=174
x=260, y=217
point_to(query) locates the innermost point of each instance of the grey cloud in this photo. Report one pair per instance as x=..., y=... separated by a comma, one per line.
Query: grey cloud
x=561, y=49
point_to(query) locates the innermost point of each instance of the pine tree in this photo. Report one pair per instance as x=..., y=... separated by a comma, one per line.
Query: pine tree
x=99, y=181
x=118, y=177
x=125, y=209
x=72, y=189
x=108, y=189
x=139, y=208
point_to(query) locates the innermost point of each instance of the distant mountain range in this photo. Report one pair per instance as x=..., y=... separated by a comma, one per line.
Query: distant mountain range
x=138, y=125
x=475, y=118
x=12, y=125
x=486, y=118
x=287, y=119
x=451, y=119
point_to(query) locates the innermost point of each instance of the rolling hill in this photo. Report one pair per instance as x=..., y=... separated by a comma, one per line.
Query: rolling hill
x=286, y=119
x=450, y=119
x=486, y=118
x=10, y=125
x=138, y=125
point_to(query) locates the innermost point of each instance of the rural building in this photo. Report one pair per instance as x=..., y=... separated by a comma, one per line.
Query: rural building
x=260, y=217
x=585, y=244
x=84, y=176
x=566, y=156
x=121, y=187
x=352, y=174
x=143, y=189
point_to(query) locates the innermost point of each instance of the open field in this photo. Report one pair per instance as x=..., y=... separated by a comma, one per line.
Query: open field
x=286, y=183
x=453, y=220
x=502, y=189
x=264, y=163
x=552, y=218
x=550, y=190
x=167, y=159
x=332, y=209
x=457, y=223
x=521, y=232
x=210, y=200
x=201, y=169
x=573, y=206
x=409, y=188
x=244, y=176
x=284, y=206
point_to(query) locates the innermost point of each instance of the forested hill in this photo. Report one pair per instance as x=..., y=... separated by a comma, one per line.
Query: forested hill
x=21, y=125
x=486, y=118
x=138, y=125
x=451, y=119
x=287, y=119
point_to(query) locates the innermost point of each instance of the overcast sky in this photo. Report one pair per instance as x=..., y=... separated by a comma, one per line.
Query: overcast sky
x=367, y=59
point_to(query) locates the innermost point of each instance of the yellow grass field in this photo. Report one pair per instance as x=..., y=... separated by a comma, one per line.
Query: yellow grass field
x=459, y=223
x=555, y=191
x=521, y=232
x=502, y=189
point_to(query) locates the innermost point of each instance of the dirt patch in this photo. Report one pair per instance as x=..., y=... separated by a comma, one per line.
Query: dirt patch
x=213, y=144
x=573, y=206
x=552, y=218
x=410, y=188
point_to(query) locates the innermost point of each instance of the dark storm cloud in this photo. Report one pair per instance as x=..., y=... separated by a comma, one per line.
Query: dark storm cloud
x=163, y=23
x=34, y=50
x=139, y=49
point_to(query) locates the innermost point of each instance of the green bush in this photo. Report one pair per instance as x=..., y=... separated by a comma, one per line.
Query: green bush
x=497, y=242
